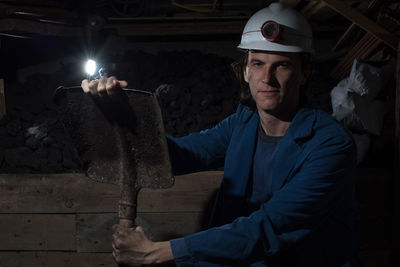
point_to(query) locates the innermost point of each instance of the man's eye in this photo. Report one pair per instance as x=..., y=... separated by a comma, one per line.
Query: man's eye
x=257, y=64
x=284, y=65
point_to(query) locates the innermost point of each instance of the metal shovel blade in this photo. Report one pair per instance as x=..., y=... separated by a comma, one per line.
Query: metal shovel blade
x=119, y=139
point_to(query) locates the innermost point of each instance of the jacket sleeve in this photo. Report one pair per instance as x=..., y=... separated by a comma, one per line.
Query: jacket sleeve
x=320, y=186
x=202, y=150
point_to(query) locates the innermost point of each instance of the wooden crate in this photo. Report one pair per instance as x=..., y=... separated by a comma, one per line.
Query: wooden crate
x=65, y=219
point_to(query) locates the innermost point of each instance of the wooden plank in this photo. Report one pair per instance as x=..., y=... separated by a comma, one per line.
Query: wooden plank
x=94, y=234
x=19, y=26
x=59, y=15
x=377, y=182
x=93, y=231
x=374, y=231
x=312, y=8
x=190, y=193
x=166, y=226
x=34, y=2
x=361, y=50
x=367, y=24
x=376, y=258
x=375, y=195
x=397, y=108
x=86, y=232
x=372, y=7
x=70, y=193
x=180, y=28
x=37, y=232
x=2, y=99
x=55, y=193
x=56, y=259
x=396, y=187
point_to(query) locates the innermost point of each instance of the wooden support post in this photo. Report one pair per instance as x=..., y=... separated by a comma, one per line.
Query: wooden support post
x=312, y=7
x=396, y=182
x=352, y=29
x=368, y=25
x=398, y=96
x=2, y=99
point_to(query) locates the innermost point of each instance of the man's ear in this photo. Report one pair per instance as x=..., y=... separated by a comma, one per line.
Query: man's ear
x=306, y=74
x=246, y=74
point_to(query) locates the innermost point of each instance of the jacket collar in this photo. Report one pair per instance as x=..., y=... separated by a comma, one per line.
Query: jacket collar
x=302, y=124
x=289, y=151
x=304, y=118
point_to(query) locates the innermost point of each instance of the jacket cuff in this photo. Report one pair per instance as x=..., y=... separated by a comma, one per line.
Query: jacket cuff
x=180, y=251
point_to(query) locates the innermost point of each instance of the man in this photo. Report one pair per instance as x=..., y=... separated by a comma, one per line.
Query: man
x=287, y=194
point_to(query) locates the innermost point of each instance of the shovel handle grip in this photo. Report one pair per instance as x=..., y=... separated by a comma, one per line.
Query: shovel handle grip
x=127, y=207
x=126, y=223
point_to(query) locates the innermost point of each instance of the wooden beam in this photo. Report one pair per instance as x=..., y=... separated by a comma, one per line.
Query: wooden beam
x=312, y=7
x=352, y=29
x=361, y=50
x=396, y=182
x=374, y=258
x=179, y=28
x=55, y=193
x=19, y=26
x=398, y=97
x=94, y=234
x=54, y=259
x=33, y=2
x=190, y=193
x=2, y=99
x=37, y=232
x=374, y=181
x=74, y=192
x=88, y=232
x=46, y=12
x=367, y=24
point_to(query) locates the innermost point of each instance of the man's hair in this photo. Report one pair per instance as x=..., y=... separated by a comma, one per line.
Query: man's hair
x=245, y=97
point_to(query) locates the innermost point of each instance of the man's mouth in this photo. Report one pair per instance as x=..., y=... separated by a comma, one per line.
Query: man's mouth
x=269, y=91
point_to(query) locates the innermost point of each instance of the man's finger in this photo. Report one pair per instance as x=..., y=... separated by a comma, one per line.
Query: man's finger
x=111, y=85
x=115, y=256
x=139, y=229
x=101, y=87
x=115, y=227
x=85, y=86
x=114, y=246
x=93, y=86
x=114, y=237
x=123, y=84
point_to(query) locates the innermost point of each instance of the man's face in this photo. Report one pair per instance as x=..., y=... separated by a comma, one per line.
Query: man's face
x=274, y=79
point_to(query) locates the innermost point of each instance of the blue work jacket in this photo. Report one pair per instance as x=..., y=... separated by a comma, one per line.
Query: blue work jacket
x=311, y=217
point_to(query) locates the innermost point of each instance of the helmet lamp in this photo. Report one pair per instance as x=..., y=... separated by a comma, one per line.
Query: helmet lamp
x=271, y=30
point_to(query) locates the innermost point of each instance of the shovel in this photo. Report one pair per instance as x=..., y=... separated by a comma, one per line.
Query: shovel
x=119, y=140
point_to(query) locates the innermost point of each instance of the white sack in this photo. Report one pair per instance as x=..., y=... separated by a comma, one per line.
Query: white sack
x=353, y=98
x=342, y=103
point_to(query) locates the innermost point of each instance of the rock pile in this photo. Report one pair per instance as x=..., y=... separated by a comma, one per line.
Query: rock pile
x=195, y=91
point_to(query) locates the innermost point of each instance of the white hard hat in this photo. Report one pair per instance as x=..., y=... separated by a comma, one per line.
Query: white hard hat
x=277, y=28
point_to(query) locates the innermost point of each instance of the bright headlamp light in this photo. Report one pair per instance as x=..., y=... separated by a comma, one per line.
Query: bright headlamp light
x=90, y=67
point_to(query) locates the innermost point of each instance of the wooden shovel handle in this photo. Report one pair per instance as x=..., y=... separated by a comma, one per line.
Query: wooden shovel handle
x=126, y=223
x=127, y=205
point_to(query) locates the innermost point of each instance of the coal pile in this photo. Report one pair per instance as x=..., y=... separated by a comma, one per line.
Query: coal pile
x=195, y=92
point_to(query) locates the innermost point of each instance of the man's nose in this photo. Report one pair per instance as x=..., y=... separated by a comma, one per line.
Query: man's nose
x=268, y=75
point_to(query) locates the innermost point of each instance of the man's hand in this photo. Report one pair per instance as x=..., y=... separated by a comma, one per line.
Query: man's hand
x=132, y=247
x=105, y=86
